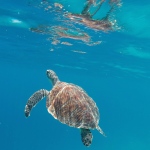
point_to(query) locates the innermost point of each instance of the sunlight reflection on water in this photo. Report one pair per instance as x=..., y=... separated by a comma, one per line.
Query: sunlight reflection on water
x=77, y=25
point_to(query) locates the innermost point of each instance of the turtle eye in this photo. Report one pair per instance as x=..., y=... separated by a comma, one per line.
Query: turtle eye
x=48, y=73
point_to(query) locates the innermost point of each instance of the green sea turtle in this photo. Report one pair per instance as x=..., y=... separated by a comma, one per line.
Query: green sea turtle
x=70, y=104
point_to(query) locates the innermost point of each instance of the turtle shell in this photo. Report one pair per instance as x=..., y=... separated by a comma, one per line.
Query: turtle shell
x=71, y=105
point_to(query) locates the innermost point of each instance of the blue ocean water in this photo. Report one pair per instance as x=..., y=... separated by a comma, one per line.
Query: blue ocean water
x=115, y=73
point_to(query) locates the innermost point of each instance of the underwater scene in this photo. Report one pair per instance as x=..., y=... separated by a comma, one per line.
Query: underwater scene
x=75, y=75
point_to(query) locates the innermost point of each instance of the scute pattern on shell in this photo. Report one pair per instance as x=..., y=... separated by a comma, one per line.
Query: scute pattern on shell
x=72, y=106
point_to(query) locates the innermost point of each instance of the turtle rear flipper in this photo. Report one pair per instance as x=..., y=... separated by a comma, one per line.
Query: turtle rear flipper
x=34, y=99
x=86, y=137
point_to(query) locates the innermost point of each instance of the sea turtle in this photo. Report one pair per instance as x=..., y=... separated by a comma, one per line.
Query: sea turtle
x=70, y=104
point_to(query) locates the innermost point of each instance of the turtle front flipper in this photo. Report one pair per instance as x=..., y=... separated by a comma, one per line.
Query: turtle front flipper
x=34, y=99
x=86, y=137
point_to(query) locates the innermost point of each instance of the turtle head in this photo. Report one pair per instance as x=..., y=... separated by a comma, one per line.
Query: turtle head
x=52, y=76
